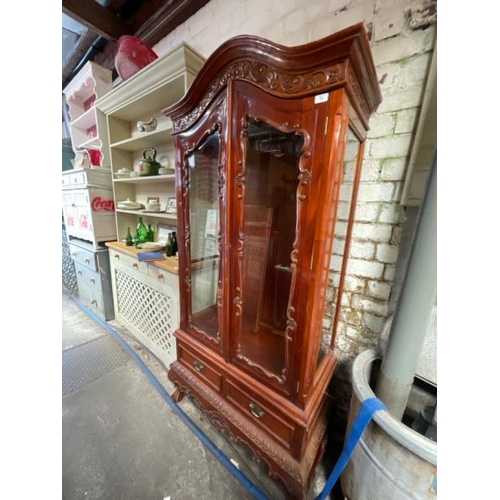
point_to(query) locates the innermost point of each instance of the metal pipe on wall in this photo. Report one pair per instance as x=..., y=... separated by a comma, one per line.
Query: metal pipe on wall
x=416, y=301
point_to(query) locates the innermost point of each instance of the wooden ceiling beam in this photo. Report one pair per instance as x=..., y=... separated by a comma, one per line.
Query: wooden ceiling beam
x=97, y=18
x=165, y=19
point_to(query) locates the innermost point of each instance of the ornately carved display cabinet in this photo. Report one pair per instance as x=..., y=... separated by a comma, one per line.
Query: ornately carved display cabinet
x=265, y=139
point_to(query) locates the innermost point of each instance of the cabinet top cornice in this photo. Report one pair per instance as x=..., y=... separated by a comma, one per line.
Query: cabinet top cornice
x=155, y=86
x=342, y=59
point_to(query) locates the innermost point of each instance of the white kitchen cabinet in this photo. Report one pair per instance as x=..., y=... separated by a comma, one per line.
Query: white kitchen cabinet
x=140, y=98
x=88, y=205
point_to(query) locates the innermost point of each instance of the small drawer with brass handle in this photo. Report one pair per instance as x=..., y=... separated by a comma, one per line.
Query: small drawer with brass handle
x=256, y=410
x=201, y=368
x=269, y=418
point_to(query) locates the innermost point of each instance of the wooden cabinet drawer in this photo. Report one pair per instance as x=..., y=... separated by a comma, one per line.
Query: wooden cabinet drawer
x=84, y=256
x=95, y=291
x=87, y=279
x=66, y=181
x=275, y=424
x=128, y=262
x=200, y=367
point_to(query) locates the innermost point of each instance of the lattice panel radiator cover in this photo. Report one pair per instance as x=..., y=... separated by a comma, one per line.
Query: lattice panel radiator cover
x=152, y=313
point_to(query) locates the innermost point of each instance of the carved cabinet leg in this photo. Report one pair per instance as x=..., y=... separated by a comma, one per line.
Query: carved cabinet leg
x=178, y=395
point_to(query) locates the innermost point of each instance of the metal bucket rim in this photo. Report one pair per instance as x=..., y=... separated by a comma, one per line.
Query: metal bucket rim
x=410, y=439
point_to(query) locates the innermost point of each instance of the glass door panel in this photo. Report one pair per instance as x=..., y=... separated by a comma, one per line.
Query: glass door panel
x=332, y=313
x=204, y=229
x=269, y=228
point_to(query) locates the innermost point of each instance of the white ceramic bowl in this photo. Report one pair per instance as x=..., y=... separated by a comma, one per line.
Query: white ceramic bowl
x=123, y=173
x=153, y=207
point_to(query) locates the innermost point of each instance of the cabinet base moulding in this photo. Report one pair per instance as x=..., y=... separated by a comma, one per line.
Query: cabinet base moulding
x=295, y=475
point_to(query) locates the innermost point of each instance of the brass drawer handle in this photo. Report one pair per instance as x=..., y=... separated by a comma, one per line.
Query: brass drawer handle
x=117, y=256
x=160, y=276
x=198, y=366
x=92, y=280
x=86, y=260
x=256, y=410
x=135, y=265
x=80, y=272
x=94, y=301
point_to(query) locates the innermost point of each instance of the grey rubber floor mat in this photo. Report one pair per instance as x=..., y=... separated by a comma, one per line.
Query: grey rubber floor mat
x=88, y=362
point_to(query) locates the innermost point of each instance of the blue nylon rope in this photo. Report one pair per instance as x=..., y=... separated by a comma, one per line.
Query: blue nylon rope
x=368, y=408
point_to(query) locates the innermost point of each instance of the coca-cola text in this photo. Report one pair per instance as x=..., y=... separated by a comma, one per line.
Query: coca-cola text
x=99, y=203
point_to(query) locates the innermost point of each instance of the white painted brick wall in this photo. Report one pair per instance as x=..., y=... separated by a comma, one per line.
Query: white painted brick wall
x=365, y=268
x=402, y=57
x=387, y=253
x=383, y=191
x=379, y=289
x=372, y=232
x=362, y=250
x=367, y=212
x=392, y=146
x=392, y=169
x=390, y=213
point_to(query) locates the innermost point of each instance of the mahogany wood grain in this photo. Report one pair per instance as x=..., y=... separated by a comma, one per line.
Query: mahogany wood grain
x=252, y=360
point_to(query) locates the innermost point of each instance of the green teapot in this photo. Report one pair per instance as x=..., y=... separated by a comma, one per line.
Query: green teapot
x=148, y=165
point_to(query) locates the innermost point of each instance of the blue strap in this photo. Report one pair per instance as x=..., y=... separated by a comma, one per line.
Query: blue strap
x=368, y=408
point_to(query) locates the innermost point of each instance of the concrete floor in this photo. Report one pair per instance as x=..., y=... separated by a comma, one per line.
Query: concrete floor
x=122, y=441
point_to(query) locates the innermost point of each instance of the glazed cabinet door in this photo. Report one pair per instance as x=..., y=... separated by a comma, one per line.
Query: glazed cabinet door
x=202, y=207
x=274, y=168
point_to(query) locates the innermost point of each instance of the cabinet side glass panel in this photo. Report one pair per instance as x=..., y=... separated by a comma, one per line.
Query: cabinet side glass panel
x=334, y=313
x=269, y=229
x=204, y=222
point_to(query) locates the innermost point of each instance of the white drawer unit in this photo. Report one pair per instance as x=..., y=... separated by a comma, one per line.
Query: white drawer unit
x=93, y=276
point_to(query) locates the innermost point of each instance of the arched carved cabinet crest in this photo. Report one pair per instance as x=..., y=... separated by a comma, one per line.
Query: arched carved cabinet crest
x=269, y=142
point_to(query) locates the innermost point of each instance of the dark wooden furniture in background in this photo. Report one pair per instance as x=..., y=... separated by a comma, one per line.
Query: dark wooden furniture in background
x=263, y=139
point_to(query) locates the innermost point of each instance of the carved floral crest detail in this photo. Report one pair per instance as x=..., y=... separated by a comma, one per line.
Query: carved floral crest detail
x=266, y=77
